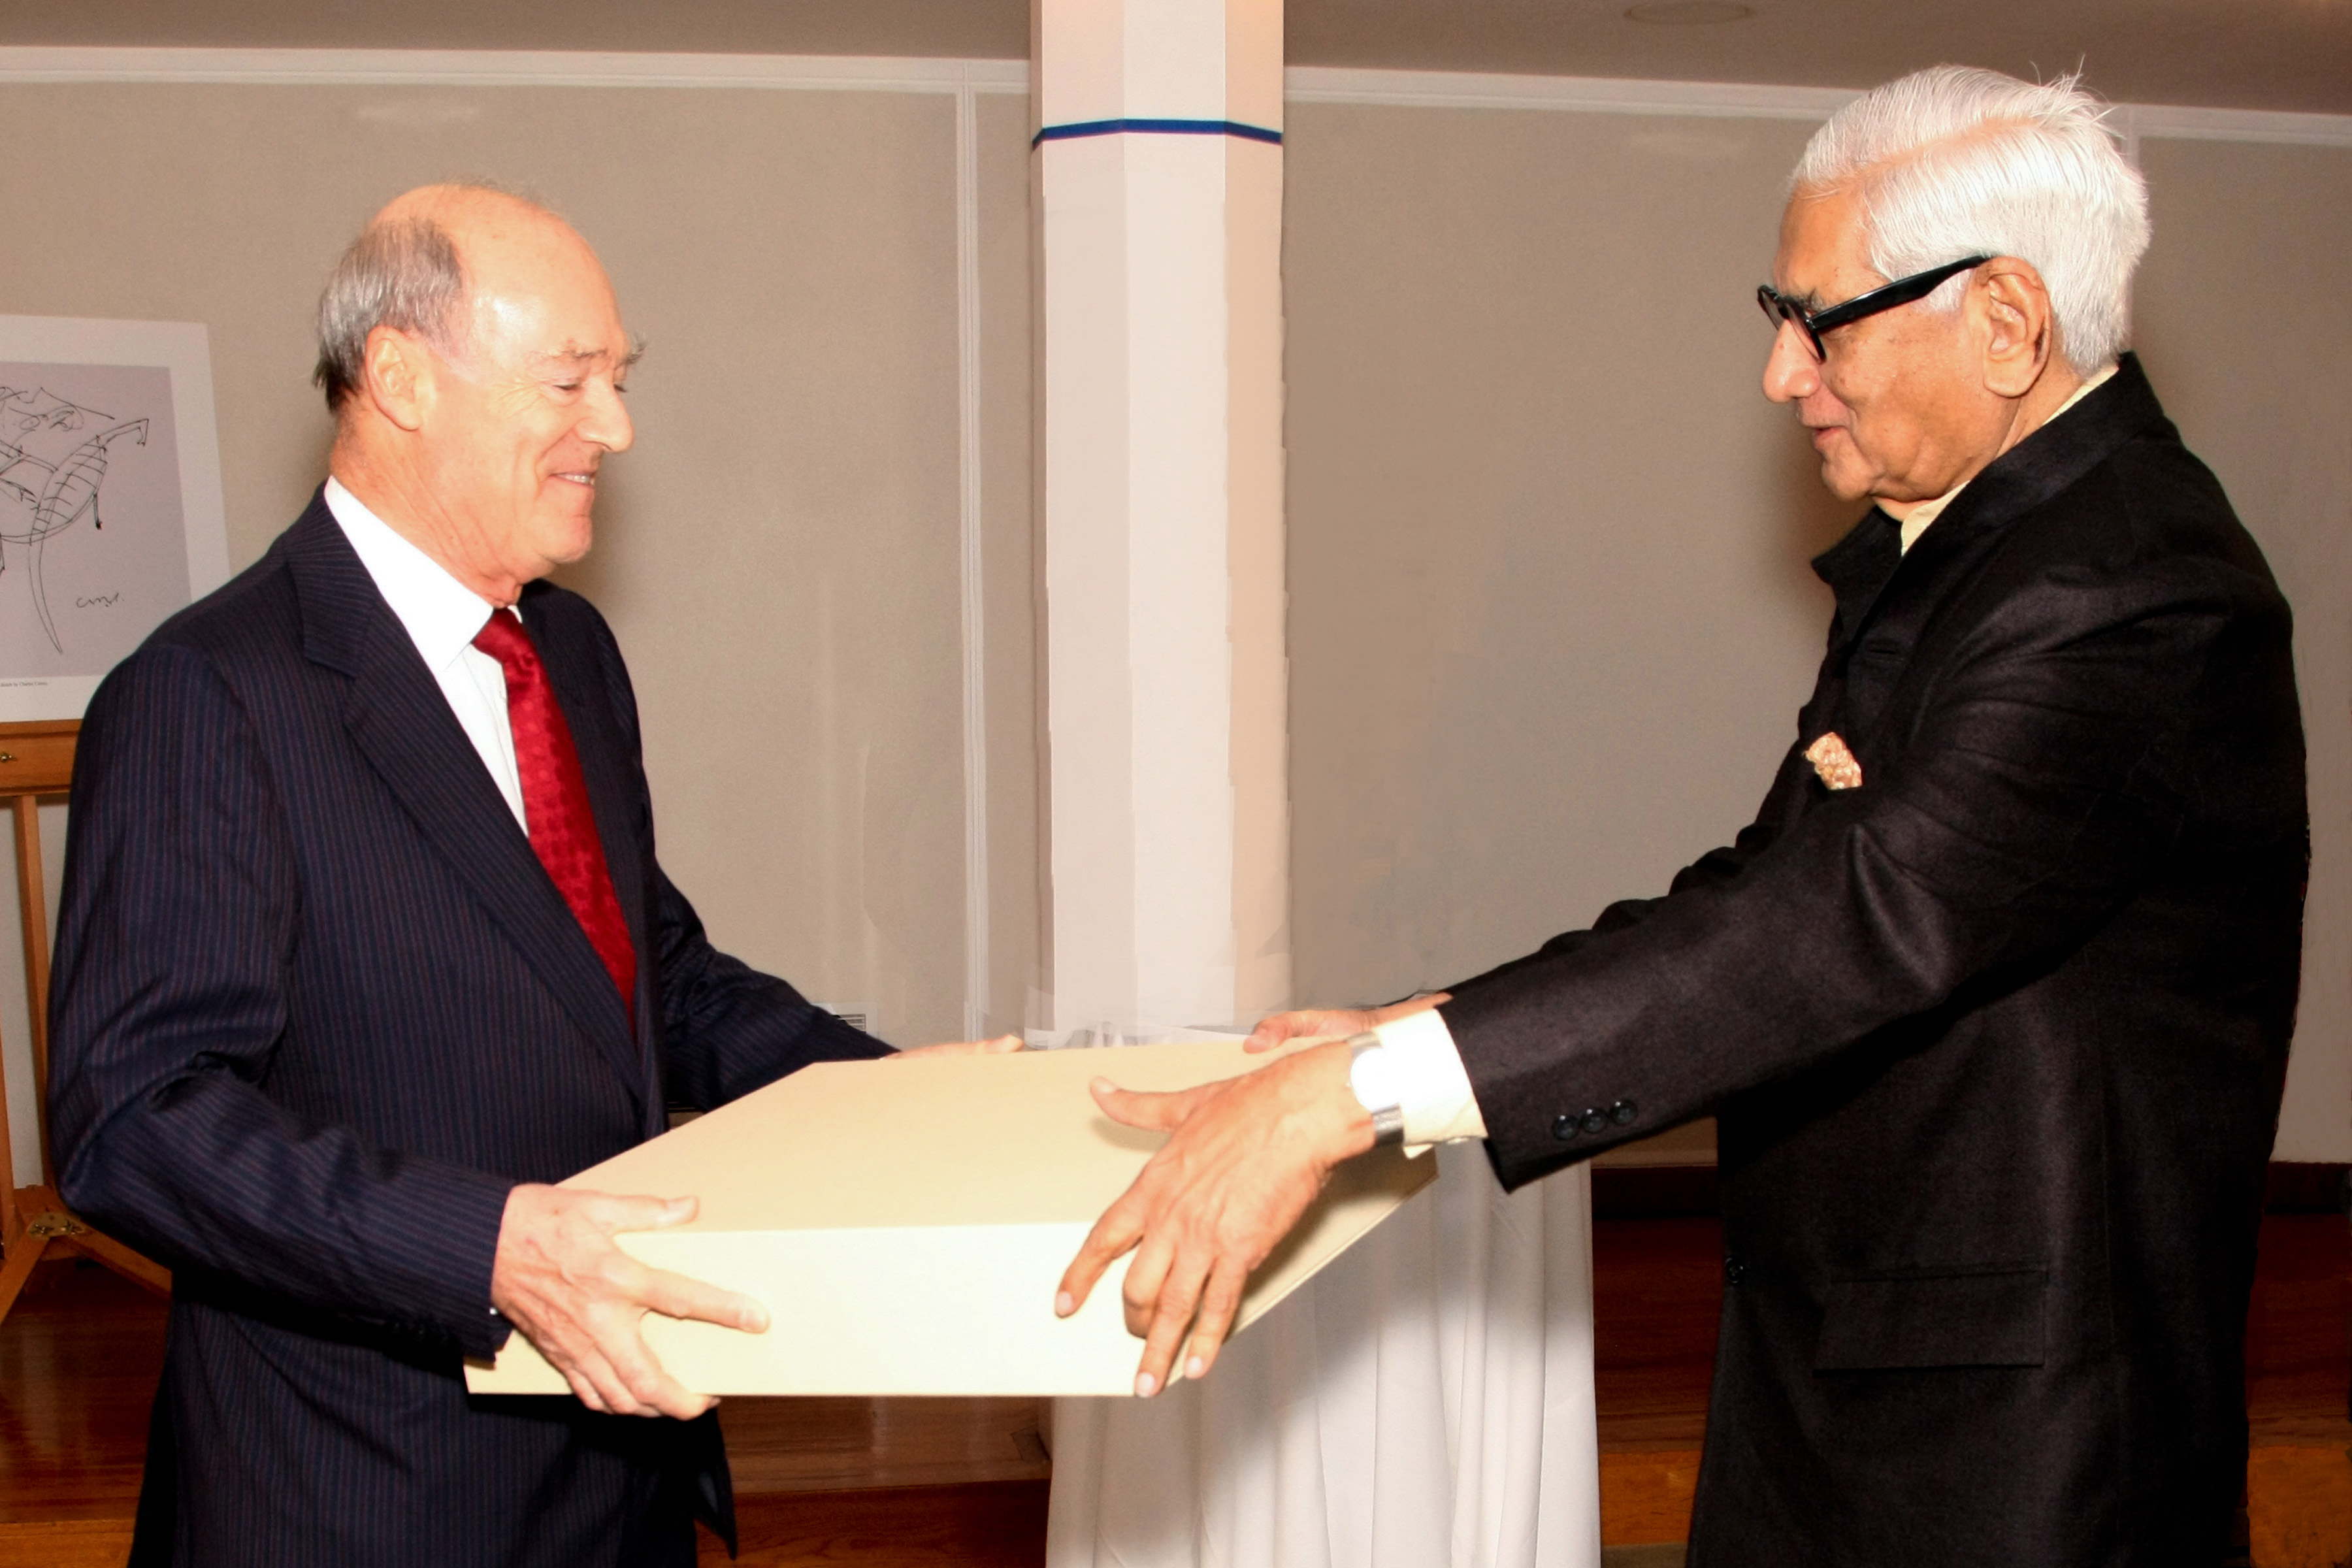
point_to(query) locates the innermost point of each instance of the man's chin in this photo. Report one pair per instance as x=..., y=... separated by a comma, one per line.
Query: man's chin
x=564, y=540
x=1845, y=486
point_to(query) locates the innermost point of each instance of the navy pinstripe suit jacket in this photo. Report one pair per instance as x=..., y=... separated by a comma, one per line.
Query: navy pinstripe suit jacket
x=316, y=1008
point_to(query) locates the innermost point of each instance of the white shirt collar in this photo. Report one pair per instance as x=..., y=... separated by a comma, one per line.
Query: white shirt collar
x=441, y=613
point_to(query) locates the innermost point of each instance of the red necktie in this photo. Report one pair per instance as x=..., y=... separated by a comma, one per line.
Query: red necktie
x=555, y=800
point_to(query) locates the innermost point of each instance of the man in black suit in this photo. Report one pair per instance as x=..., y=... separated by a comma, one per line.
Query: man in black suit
x=365, y=945
x=1992, y=999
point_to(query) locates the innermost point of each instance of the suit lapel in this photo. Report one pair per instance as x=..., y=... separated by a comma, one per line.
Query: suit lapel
x=399, y=719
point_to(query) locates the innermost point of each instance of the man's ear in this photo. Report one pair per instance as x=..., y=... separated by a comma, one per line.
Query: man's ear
x=397, y=373
x=2020, y=328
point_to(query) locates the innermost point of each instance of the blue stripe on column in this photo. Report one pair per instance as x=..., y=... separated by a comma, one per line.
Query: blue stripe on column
x=1156, y=128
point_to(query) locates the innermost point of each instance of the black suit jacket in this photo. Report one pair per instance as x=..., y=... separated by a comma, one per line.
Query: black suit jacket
x=316, y=1008
x=1996, y=1039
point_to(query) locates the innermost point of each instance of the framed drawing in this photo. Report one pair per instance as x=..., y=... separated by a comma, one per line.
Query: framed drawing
x=111, y=515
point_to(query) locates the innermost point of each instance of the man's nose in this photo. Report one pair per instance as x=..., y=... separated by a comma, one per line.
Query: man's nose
x=1790, y=371
x=607, y=423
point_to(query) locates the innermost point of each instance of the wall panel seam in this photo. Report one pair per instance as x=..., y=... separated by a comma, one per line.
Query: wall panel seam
x=973, y=563
x=1603, y=95
x=2181, y=123
x=26, y=66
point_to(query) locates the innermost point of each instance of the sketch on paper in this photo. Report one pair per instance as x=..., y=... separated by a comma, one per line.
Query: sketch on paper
x=109, y=498
x=52, y=495
x=93, y=554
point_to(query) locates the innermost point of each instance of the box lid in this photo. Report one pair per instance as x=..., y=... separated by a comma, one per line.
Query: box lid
x=924, y=1209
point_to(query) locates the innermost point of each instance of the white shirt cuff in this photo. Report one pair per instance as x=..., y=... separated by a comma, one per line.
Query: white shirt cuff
x=1434, y=1091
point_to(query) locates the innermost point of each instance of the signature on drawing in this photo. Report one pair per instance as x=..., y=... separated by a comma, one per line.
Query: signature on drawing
x=53, y=495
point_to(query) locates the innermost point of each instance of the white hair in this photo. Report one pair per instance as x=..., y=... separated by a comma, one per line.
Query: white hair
x=1952, y=162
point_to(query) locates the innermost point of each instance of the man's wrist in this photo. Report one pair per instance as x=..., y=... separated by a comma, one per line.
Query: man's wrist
x=1433, y=1089
x=1332, y=1121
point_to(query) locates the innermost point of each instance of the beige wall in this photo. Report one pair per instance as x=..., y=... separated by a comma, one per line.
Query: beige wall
x=1549, y=612
x=779, y=556
x=2245, y=324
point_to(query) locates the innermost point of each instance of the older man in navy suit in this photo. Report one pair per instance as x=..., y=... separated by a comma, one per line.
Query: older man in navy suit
x=365, y=945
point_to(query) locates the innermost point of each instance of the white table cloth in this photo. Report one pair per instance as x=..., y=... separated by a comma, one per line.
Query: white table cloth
x=1427, y=1400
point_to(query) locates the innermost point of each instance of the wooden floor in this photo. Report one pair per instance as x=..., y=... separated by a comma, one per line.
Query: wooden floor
x=1657, y=1287
x=903, y=1483
x=874, y=1483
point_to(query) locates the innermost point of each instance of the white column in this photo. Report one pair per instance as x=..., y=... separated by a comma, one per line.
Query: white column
x=1158, y=195
x=1429, y=1399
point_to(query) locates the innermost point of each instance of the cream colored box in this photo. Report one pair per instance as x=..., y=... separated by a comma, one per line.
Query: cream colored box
x=907, y=1223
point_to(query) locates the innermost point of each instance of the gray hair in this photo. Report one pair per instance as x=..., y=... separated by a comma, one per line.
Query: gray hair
x=1952, y=162
x=405, y=274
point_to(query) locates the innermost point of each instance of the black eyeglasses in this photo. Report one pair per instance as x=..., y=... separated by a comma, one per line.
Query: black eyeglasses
x=1779, y=308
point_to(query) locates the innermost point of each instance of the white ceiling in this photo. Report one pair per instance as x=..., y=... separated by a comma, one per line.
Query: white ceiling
x=2250, y=53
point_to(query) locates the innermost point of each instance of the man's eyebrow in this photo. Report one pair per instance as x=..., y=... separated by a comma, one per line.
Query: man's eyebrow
x=573, y=353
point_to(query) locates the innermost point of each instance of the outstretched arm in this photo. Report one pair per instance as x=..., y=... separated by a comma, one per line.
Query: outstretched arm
x=2040, y=788
x=1716, y=868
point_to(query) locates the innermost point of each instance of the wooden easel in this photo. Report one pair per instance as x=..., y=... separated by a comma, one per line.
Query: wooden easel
x=37, y=760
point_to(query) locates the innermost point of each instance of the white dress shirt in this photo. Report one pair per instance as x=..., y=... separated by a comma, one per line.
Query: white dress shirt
x=1434, y=1091
x=442, y=616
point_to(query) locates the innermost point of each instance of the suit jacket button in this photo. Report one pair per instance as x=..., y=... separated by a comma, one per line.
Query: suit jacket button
x=1565, y=1128
x=1596, y=1120
x=1624, y=1112
x=1734, y=1272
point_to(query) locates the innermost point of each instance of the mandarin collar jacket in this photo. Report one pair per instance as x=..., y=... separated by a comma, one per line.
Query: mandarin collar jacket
x=1995, y=1040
